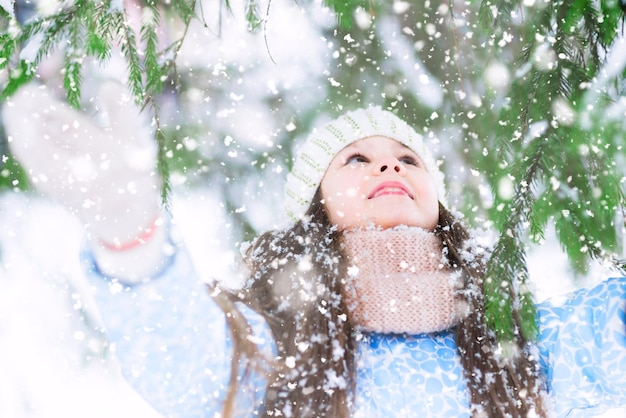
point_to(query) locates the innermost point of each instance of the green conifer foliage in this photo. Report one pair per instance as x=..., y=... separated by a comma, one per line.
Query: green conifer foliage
x=562, y=172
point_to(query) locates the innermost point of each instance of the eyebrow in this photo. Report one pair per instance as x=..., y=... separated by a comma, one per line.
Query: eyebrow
x=404, y=146
x=407, y=148
x=349, y=148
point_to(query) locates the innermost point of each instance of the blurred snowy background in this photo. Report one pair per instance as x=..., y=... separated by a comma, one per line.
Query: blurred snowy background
x=244, y=98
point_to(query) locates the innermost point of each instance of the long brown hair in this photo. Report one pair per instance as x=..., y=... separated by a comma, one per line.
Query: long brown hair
x=295, y=282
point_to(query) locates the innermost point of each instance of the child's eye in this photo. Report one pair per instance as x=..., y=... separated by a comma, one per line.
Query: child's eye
x=356, y=159
x=409, y=160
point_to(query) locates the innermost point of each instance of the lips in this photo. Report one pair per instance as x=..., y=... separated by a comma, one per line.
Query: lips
x=390, y=188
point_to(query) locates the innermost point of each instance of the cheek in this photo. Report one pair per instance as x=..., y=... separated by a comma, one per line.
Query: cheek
x=341, y=198
x=432, y=217
x=340, y=189
x=428, y=188
x=352, y=192
x=342, y=201
x=428, y=202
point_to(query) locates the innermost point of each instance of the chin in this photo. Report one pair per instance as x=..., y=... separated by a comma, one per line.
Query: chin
x=387, y=223
x=393, y=223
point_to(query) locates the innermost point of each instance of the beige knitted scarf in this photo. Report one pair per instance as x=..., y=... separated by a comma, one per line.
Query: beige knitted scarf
x=397, y=282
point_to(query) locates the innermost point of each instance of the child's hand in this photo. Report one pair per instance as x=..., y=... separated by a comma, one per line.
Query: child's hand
x=102, y=172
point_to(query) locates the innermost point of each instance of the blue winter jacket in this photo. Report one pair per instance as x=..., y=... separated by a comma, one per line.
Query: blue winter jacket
x=173, y=346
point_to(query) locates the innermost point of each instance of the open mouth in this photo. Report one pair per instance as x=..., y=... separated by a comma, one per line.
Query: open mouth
x=390, y=188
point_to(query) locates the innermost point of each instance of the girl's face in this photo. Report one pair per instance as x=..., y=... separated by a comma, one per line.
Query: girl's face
x=378, y=180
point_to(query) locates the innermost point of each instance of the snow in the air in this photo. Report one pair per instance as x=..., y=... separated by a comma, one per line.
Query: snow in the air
x=53, y=359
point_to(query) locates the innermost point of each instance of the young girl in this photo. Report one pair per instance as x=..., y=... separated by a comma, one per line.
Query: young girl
x=369, y=304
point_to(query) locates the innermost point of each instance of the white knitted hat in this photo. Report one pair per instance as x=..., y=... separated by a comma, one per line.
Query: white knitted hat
x=321, y=146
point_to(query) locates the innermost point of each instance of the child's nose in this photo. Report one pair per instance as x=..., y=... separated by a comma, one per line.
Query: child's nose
x=389, y=163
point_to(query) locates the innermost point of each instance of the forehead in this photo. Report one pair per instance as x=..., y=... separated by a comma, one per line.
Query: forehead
x=377, y=143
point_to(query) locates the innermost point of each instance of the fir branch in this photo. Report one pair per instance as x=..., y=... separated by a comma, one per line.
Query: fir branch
x=72, y=63
x=129, y=49
x=540, y=216
x=18, y=76
x=154, y=85
x=162, y=165
x=611, y=16
x=173, y=49
x=509, y=307
x=47, y=33
x=588, y=203
x=571, y=15
x=12, y=175
x=8, y=45
x=99, y=25
x=185, y=9
x=53, y=31
x=253, y=13
x=345, y=9
x=72, y=78
x=149, y=27
x=575, y=240
x=495, y=13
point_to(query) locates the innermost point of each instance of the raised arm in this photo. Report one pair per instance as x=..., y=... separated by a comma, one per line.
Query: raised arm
x=102, y=169
x=168, y=334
